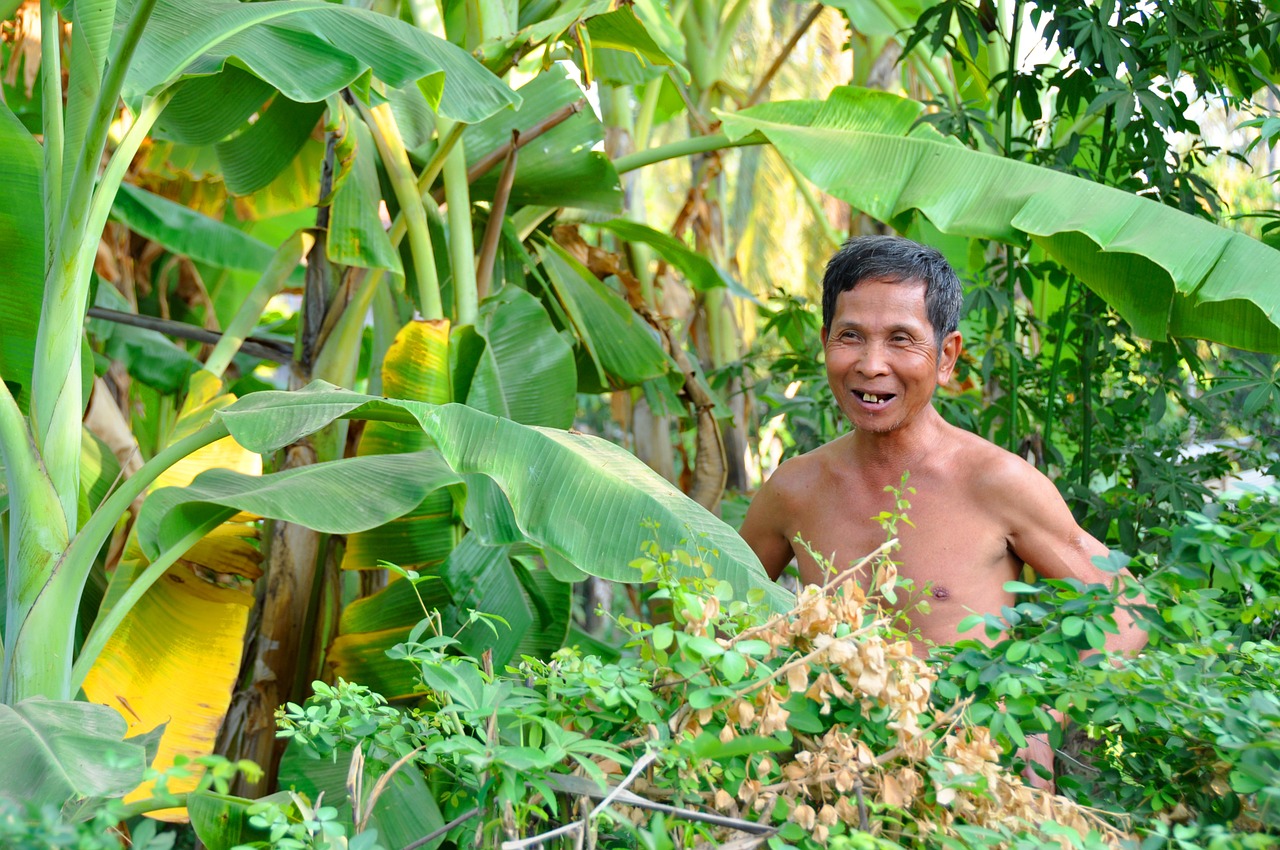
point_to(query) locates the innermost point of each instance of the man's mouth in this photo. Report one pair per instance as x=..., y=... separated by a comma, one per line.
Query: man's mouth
x=873, y=398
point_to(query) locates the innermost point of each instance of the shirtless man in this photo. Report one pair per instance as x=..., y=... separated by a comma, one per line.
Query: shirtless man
x=890, y=308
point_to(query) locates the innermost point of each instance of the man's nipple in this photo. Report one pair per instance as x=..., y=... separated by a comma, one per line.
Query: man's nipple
x=940, y=592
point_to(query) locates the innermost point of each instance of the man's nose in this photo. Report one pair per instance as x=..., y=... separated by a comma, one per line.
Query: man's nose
x=873, y=360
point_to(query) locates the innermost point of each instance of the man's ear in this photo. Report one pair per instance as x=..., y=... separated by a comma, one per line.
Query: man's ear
x=948, y=354
x=822, y=337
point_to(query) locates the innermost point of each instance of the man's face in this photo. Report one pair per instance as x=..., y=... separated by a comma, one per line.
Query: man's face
x=882, y=360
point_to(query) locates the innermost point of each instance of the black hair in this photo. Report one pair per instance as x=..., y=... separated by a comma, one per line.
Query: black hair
x=894, y=259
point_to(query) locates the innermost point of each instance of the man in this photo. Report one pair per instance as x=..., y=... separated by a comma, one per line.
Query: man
x=890, y=308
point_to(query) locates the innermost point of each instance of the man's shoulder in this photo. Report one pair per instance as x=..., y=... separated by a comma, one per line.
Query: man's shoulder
x=798, y=475
x=990, y=466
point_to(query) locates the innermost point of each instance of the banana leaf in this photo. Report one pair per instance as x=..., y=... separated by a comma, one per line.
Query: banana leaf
x=1169, y=274
x=176, y=657
x=526, y=370
x=60, y=751
x=621, y=349
x=309, y=50
x=575, y=497
x=22, y=246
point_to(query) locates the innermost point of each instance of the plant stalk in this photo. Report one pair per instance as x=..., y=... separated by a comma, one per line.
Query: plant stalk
x=497, y=213
x=51, y=100
x=386, y=135
x=283, y=262
x=783, y=55
x=684, y=147
x=1011, y=341
x=56, y=396
x=1049, y=412
x=462, y=252
x=1009, y=94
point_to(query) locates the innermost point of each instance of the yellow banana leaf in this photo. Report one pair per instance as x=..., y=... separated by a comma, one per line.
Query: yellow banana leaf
x=176, y=656
x=175, y=659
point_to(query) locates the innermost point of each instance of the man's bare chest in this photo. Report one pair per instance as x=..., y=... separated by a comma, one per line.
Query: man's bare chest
x=945, y=540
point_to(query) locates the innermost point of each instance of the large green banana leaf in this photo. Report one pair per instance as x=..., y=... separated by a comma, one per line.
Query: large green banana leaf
x=526, y=370
x=59, y=751
x=577, y=498
x=308, y=49
x=618, y=346
x=1167, y=273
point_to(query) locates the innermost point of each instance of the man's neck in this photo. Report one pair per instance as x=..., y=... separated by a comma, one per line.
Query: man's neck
x=888, y=454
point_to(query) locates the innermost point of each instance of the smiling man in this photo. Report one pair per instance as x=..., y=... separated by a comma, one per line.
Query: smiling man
x=890, y=309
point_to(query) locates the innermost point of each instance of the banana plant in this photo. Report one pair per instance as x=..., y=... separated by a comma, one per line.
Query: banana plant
x=161, y=57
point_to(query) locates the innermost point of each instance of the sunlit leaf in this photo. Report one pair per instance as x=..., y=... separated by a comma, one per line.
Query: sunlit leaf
x=1166, y=272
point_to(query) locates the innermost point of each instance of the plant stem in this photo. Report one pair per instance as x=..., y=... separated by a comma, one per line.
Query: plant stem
x=645, y=115
x=497, y=213
x=1049, y=412
x=462, y=251
x=1011, y=341
x=56, y=394
x=51, y=100
x=684, y=147
x=396, y=160
x=1086, y=438
x=1010, y=92
x=36, y=537
x=783, y=55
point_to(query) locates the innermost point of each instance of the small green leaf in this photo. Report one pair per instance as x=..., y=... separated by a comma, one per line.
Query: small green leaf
x=1021, y=587
x=733, y=666
x=1017, y=651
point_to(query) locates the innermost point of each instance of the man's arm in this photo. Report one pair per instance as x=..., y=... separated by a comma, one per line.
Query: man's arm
x=1046, y=536
x=764, y=531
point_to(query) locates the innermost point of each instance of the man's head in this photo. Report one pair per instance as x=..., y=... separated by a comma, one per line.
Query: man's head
x=893, y=259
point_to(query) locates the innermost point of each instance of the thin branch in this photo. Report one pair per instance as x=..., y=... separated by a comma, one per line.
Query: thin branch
x=265, y=349
x=489, y=160
x=497, y=212
x=434, y=834
x=782, y=57
x=585, y=787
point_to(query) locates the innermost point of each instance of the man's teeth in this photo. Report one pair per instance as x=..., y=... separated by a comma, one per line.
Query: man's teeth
x=870, y=397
